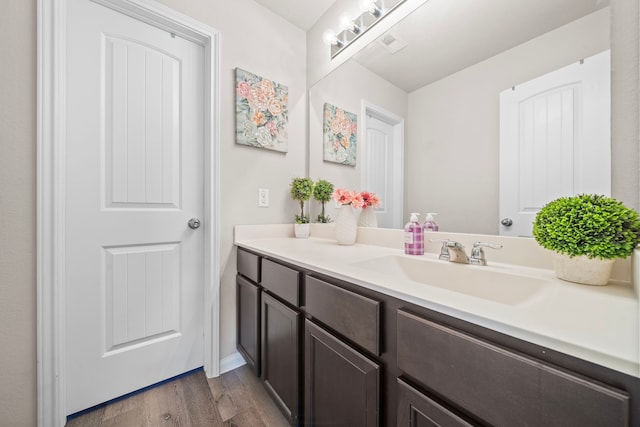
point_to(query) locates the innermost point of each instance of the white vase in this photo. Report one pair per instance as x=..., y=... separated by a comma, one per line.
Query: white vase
x=346, y=225
x=301, y=230
x=582, y=269
x=368, y=217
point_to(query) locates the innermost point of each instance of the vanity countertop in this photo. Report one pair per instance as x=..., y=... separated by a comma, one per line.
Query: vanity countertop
x=595, y=323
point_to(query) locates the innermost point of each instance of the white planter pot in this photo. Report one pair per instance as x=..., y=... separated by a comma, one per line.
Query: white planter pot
x=301, y=230
x=581, y=269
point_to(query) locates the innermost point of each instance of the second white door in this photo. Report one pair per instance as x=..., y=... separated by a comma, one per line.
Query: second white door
x=554, y=140
x=134, y=179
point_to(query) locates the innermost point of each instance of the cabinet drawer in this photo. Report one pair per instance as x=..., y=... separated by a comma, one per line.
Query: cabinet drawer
x=354, y=316
x=501, y=387
x=281, y=281
x=248, y=265
x=418, y=410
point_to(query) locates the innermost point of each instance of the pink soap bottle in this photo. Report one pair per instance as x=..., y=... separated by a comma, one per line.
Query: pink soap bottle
x=414, y=236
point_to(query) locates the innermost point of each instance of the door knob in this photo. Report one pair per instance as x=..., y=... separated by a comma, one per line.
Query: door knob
x=507, y=222
x=194, y=223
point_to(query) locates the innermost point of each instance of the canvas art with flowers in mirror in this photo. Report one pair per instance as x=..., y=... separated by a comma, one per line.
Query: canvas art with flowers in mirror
x=340, y=135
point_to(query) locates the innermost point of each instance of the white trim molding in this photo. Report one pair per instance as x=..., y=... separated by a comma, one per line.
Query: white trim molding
x=51, y=119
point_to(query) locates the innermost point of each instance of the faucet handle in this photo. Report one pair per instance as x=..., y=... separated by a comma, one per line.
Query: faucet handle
x=444, y=251
x=477, y=253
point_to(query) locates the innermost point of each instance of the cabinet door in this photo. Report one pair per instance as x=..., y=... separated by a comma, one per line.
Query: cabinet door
x=341, y=385
x=417, y=410
x=248, y=322
x=281, y=355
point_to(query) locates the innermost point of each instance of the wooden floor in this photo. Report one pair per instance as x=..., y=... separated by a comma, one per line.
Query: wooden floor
x=236, y=398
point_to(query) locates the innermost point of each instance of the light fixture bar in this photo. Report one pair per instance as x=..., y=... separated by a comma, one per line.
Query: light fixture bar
x=351, y=29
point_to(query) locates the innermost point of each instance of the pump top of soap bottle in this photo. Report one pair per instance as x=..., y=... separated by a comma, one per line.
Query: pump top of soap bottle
x=430, y=224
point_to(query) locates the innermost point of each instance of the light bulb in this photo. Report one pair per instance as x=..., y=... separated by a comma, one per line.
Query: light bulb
x=329, y=37
x=371, y=7
x=346, y=23
x=366, y=5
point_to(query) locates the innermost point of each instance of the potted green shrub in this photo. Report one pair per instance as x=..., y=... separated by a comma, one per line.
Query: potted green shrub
x=301, y=191
x=322, y=193
x=587, y=233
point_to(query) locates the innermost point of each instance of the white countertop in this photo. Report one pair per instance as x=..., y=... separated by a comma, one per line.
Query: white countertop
x=596, y=323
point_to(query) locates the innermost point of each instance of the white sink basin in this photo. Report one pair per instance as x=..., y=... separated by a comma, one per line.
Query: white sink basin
x=476, y=281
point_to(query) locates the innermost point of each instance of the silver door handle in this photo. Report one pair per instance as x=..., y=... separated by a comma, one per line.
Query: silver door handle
x=194, y=223
x=507, y=222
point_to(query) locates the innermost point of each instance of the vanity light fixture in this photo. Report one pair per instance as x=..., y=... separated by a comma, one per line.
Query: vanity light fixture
x=350, y=29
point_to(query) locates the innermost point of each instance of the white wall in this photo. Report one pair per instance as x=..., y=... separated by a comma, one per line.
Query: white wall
x=18, y=213
x=454, y=125
x=346, y=87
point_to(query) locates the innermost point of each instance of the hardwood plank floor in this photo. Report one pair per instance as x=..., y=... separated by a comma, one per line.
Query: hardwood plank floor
x=235, y=399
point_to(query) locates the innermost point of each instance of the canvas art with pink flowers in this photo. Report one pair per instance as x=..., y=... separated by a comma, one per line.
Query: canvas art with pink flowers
x=340, y=135
x=261, y=112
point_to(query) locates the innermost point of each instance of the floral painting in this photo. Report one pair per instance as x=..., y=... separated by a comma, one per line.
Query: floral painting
x=340, y=135
x=261, y=112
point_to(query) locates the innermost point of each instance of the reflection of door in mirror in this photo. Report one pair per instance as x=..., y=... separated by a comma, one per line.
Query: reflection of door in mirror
x=383, y=163
x=554, y=140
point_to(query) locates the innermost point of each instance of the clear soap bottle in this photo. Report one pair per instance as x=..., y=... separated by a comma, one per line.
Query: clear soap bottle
x=414, y=236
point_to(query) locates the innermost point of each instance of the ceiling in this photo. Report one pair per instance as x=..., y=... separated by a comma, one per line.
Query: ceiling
x=445, y=36
x=301, y=13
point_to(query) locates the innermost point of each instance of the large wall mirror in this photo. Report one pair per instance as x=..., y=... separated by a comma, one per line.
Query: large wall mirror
x=438, y=75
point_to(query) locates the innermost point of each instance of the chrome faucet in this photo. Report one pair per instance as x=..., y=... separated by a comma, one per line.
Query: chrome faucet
x=477, y=252
x=453, y=251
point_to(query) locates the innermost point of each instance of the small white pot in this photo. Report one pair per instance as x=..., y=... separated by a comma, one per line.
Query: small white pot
x=582, y=269
x=301, y=230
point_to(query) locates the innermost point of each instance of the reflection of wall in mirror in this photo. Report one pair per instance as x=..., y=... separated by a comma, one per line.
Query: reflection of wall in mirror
x=347, y=87
x=452, y=142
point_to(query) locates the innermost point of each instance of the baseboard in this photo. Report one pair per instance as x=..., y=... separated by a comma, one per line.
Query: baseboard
x=231, y=362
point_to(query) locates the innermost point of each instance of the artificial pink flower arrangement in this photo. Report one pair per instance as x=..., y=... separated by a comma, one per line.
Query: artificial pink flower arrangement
x=370, y=199
x=355, y=199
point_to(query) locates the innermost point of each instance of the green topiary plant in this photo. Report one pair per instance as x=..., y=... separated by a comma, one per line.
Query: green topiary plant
x=301, y=190
x=322, y=193
x=592, y=225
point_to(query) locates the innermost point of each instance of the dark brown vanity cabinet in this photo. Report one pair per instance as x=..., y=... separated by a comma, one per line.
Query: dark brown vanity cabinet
x=334, y=353
x=281, y=355
x=248, y=322
x=281, y=337
x=342, y=386
x=498, y=386
x=415, y=409
x=248, y=309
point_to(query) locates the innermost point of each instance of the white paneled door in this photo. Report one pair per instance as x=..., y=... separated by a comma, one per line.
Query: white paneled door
x=382, y=165
x=554, y=140
x=134, y=179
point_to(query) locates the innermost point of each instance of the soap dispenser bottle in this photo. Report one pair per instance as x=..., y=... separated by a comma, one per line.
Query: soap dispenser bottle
x=430, y=224
x=414, y=236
